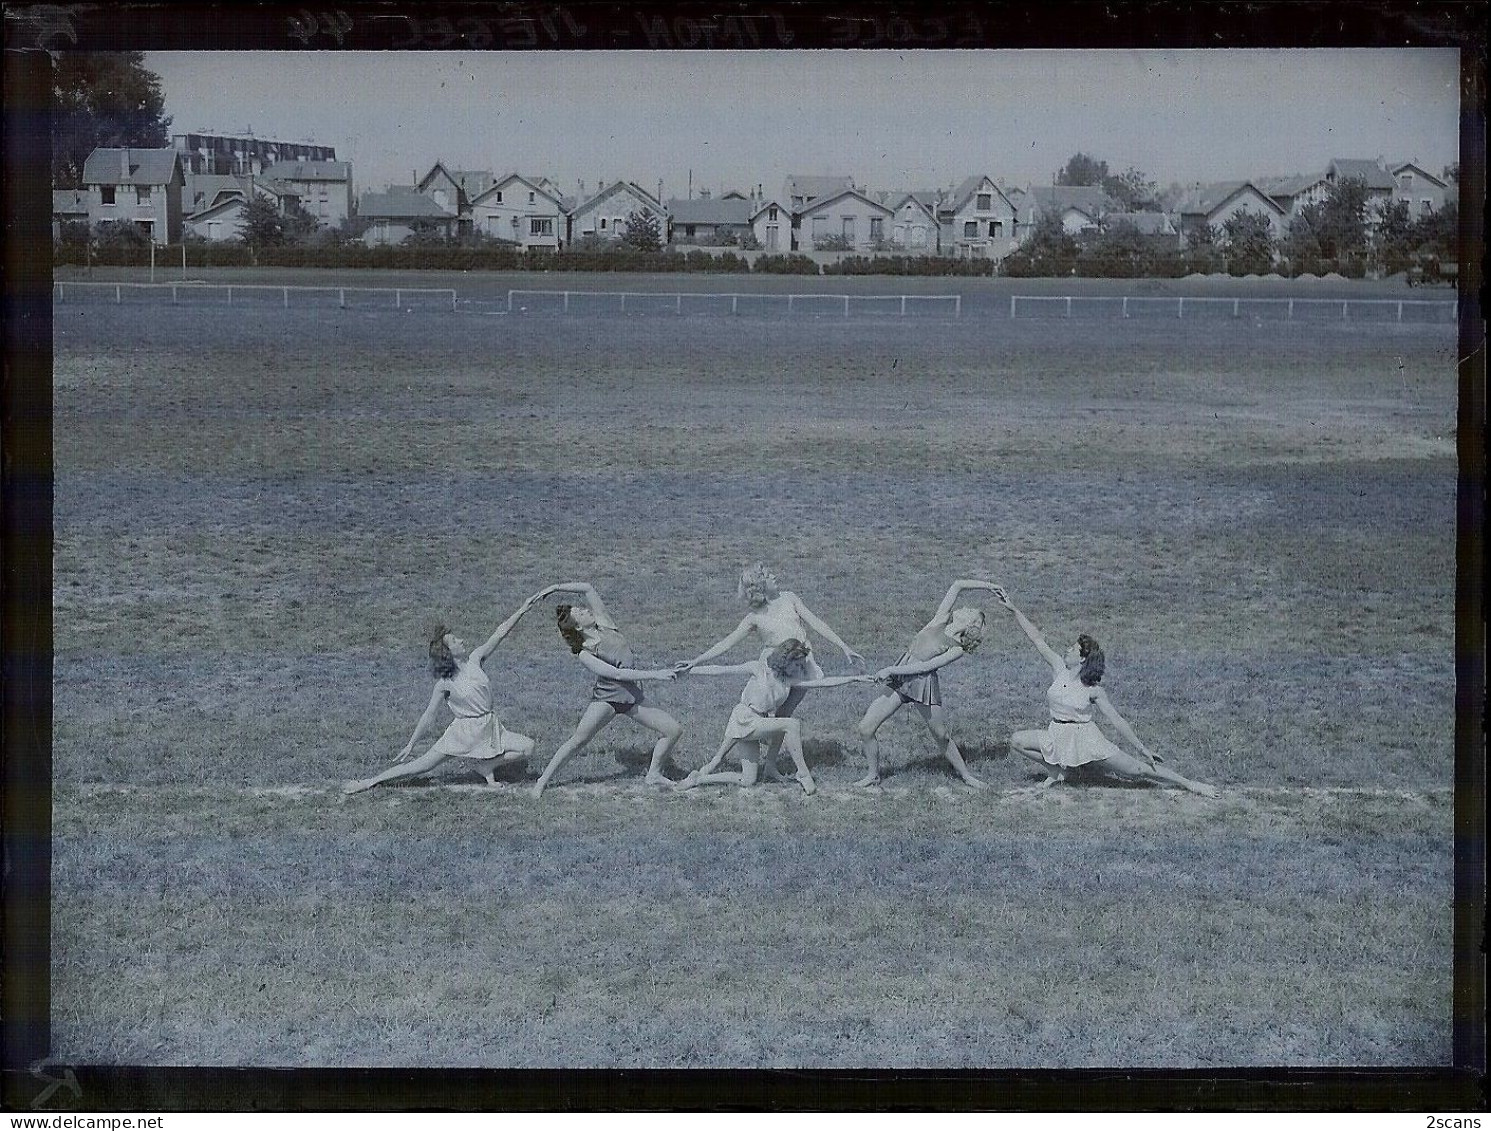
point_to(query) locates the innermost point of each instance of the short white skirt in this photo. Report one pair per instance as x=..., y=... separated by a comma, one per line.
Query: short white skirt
x=1076, y=744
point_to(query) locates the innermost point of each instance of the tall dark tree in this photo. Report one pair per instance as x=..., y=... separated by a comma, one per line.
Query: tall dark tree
x=102, y=99
x=262, y=224
x=1082, y=169
x=643, y=232
x=1131, y=190
x=1250, y=243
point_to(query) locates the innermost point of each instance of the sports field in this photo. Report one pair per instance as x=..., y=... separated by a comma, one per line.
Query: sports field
x=260, y=514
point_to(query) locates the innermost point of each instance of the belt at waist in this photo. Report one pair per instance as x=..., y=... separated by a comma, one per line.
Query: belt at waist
x=1072, y=722
x=483, y=715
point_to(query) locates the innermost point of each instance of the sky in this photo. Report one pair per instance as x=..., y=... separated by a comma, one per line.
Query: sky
x=911, y=120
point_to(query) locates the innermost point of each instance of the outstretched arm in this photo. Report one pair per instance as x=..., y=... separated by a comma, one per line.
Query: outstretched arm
x=920, y=667
x=426, y=720
x=1120, y=724
x=835, y=681
x=945, y=609
x=600, y=667
x=592, y=598
x=1058, y=665
x=719, y=649
x=747, y=668
x=497, y=637
x=813, y=621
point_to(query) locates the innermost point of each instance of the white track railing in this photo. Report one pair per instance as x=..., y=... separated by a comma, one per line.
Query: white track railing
x=680, y=302
x=1276, y=309
x=215, y=294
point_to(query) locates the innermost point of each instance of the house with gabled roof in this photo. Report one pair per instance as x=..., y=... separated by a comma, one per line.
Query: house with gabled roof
x=977, y=220
x=455, y=189
x=605, y=214
x=913, y=224
x=1295, y=192
x=1418, y=188
x=799, y=191
x=1373, y=173
x=771, y=223
x=214, y=202
x=1082, y=208
x=1214, y=204
x=325, y=188
x=859, y=221
x=525, y=210
x=392, y=216
x=707, y=220
x=136, y=186
x=69, y=206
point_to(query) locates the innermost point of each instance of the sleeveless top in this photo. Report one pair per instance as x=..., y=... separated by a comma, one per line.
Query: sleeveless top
x=765, y=691
x=470, y=693
x=1070, y=699
x=614, y=650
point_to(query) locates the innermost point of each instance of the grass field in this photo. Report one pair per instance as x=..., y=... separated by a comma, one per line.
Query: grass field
x=258, y=514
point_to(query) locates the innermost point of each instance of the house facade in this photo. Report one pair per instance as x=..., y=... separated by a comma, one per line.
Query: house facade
x=706, y=221
x=1374, y=174
x=913, y=225
x=852, y=217
x=136, y=186
x=1214, y=204
x=771, y=223
x=454, y=190
x=1418, y=188
x=523, y=210
x=604, y=215
x=69, y=206
x=395, y=215
x=225, y=154
x=1295, y=193
x=324, y=187
x=976, y=220
x=218, y=222
x=1082, y=208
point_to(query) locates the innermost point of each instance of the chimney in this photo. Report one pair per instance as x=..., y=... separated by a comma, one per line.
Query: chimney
x=660, y=188
x=703, y=194
x=582, y=189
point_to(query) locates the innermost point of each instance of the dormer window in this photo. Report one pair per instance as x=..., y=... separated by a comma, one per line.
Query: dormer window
x=985, y=201
x=108, y=193
x=142, y=194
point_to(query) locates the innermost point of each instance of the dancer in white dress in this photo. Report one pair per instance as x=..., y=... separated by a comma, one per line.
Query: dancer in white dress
x=774, y=676
x=775, y=616
x=594, y=638
x=1072, y=738
x=475, y=735
x=950, y=635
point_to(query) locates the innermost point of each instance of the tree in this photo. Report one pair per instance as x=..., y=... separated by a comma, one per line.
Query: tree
x=1343, y=218
x=297, y=226
x=1131, y=190
x=1250, y=243
x=1049, y=249
x=102, y=99
x=1081, y=169
x=1393, y=244
x=262, y=226
x=642, y=232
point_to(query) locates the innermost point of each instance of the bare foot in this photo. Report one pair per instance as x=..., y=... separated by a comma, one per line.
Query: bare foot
x=688, y=782
x=867, y=782
x=1054, y=779
x=805, y=779
x=658, y=779
x=538, y=789
x=975, y=783
x=357, y=786
x=771, y=771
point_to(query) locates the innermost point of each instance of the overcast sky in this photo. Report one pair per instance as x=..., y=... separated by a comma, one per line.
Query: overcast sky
x=890, y=119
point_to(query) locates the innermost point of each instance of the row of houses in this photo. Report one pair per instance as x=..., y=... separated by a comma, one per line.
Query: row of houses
x=978, y=218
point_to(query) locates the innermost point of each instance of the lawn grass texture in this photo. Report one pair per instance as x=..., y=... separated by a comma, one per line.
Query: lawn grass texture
x=258, y=516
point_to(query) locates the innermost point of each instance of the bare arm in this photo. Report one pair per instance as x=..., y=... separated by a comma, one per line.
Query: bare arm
x=1058, y=665
x=592, y=598
x=600, y=667
x=945, y=609
x=920, y=667
x=480, y=655
x=835, y=681
x=741, y=631
x=1120, y=724
x=813, y=621
x=722, y=669
x=426, y=720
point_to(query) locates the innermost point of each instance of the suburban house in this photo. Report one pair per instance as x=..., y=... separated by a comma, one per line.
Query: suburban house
x=224, y=154
x=455, y=189
x=1420, y=189
x=1378, y=180
x=1215, y=204
x=398, y=213
x=219, y=221
x=136, y=186
x=527, y=211
x=325, y=188
x=69, y=206
x=913, y=225
x=1082, y=208
x=707, y=221
x=1294, y=193
x=862, y=223
x=214, y=203
x=977, y=220
x=800, y=191
x=772, y=224
x=604, y=215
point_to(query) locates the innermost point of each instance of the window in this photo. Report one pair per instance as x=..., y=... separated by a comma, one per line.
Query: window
x=877, y=228
x=996, y=228
x=530, y=198
x=918, y=237
x=603, y=223
x=688, y=230
x=771, y=237
x=772, y=213
x=848, y=230
x=820, y=228
x=541, y=226
x=108, y=193
x=1405, y=182
x=499, y=196
x=970, y=229
x=142, y=194
x=1426, y=206
x=985, y=201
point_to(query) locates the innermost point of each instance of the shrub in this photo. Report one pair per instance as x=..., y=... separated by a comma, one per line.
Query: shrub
x=791, y=264
x=832, y=243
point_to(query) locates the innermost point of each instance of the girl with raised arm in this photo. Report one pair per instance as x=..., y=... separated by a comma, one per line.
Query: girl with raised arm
x=950, y=635
x=1072, y=738
x=775, y=616
x=475, y=734
x=593, y=636
x=774, y=676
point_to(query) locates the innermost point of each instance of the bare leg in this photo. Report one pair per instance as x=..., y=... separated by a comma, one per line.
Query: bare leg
x=936, y=720
x=769, y=759
x=875, y=715
x=516, y=748
x=1031, y=744
x=1125, y=765
x=414, y=769
x=596, y=716
x=660, y=722
x=707, y=774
